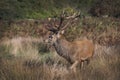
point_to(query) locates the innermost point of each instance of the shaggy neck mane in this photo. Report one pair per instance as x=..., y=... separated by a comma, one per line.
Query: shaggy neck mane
x=62, y=46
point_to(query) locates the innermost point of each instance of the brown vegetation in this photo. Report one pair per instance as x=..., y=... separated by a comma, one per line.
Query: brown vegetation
x=28, y=59
x=48, y=66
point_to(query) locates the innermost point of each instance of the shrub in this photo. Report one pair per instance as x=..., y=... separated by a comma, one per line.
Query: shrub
x=106, y=7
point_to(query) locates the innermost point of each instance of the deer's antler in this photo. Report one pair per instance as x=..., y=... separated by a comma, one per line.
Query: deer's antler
x=52, y=23
x=50, y=28
x=71, y=19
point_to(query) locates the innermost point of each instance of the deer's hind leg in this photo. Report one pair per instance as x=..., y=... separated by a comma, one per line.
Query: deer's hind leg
x=82, y=64
x=88, y=61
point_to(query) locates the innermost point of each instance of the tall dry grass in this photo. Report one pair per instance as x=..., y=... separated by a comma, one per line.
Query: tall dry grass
x=23, y=47
x=25, y=59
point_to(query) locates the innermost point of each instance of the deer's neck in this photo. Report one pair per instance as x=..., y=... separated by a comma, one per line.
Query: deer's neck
x=62, y=46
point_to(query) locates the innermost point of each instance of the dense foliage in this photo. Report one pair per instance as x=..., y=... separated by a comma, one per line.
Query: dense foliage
x=15, y=9
x=20, y=9
x=106, y=7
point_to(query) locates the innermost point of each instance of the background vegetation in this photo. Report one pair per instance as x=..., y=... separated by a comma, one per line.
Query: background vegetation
x=26, y=58
x=17, y=9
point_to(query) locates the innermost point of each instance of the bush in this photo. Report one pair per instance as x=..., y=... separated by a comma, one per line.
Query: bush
x=106, y=7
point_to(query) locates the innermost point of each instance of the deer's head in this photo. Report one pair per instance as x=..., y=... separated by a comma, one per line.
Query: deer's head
x=57, y=27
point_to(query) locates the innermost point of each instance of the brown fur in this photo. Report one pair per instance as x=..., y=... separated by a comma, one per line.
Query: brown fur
x=74, y=52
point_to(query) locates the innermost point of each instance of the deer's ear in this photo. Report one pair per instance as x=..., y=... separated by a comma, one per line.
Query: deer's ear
x=62, y=32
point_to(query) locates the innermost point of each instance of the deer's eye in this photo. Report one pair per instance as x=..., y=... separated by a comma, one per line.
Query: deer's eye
x=50, y=36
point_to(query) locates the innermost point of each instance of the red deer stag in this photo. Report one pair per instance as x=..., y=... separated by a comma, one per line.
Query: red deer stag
x=74, y=52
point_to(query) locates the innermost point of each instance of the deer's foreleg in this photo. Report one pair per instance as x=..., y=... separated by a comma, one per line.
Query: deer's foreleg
x=74, y=66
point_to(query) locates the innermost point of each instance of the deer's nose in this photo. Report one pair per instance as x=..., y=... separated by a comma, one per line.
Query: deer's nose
x=46, y=41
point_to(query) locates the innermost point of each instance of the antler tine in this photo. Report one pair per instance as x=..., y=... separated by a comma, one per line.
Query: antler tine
x=75, y=15
x=49, y=28
x=62, y=16
x=65, y=26
x=72, y=18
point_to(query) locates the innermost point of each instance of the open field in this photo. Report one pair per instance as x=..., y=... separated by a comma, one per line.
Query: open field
x=24, y=56
x=27, y=25
x=25, y=59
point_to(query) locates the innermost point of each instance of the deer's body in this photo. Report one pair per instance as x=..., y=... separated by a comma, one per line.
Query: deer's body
x=74, y=52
